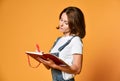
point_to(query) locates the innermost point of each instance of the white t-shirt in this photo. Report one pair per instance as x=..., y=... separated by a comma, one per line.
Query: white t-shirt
x=75, y=46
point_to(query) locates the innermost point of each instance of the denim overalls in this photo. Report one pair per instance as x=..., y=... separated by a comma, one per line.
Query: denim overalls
x=57, y=74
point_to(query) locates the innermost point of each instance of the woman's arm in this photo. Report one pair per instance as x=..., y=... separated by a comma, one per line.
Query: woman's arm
x=75, y=68
x=47, y=67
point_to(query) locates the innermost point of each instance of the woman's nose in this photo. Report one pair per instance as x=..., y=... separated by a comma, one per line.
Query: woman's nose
x=61, y=24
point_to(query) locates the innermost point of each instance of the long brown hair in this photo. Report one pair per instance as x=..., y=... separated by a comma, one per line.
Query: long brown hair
x=76, y=21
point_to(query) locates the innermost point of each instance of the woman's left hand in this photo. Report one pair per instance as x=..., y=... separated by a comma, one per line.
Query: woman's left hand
x=48, y=62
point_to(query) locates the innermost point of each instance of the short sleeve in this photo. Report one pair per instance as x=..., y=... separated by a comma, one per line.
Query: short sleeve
x=77, y=46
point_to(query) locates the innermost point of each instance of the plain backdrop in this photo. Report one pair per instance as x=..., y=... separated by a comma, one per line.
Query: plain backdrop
x=23, y=23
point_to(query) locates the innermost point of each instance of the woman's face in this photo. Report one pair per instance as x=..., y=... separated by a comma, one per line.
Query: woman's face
x=63, y=24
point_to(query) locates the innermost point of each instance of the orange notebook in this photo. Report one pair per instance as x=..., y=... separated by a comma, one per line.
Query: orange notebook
x=38, y=55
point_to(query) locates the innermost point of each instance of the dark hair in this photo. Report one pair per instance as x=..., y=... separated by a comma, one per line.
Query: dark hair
x=75, y=20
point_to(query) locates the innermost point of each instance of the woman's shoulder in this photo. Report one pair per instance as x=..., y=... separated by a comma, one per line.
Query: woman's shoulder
x=76, y=39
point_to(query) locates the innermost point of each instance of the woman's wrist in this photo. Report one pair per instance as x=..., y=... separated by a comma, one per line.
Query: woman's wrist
x=55, y=66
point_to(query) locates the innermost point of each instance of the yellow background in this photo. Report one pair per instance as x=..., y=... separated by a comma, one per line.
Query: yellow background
x=23, y=23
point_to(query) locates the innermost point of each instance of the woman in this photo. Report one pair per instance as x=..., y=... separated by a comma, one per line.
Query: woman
x=72, y=25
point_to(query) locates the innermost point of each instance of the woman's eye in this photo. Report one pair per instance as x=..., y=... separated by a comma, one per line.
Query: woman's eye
x=61, y=19
x=66, y=23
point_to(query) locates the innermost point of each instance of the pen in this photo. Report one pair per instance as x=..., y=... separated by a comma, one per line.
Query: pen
x=37, y=47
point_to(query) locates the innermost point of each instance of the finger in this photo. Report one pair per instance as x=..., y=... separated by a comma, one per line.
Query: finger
x=48, y=59
x=41, y=60
x=44, y=61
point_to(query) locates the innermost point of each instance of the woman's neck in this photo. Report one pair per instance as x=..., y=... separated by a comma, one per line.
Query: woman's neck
x=67, y=34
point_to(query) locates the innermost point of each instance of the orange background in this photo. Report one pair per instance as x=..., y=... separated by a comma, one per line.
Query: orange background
x=23, y=23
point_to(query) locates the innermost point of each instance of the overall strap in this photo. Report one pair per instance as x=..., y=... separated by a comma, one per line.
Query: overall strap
x=55, y=43
x=63, y=46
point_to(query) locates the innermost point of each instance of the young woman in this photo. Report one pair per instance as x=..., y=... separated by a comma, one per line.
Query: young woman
x=72, y=25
